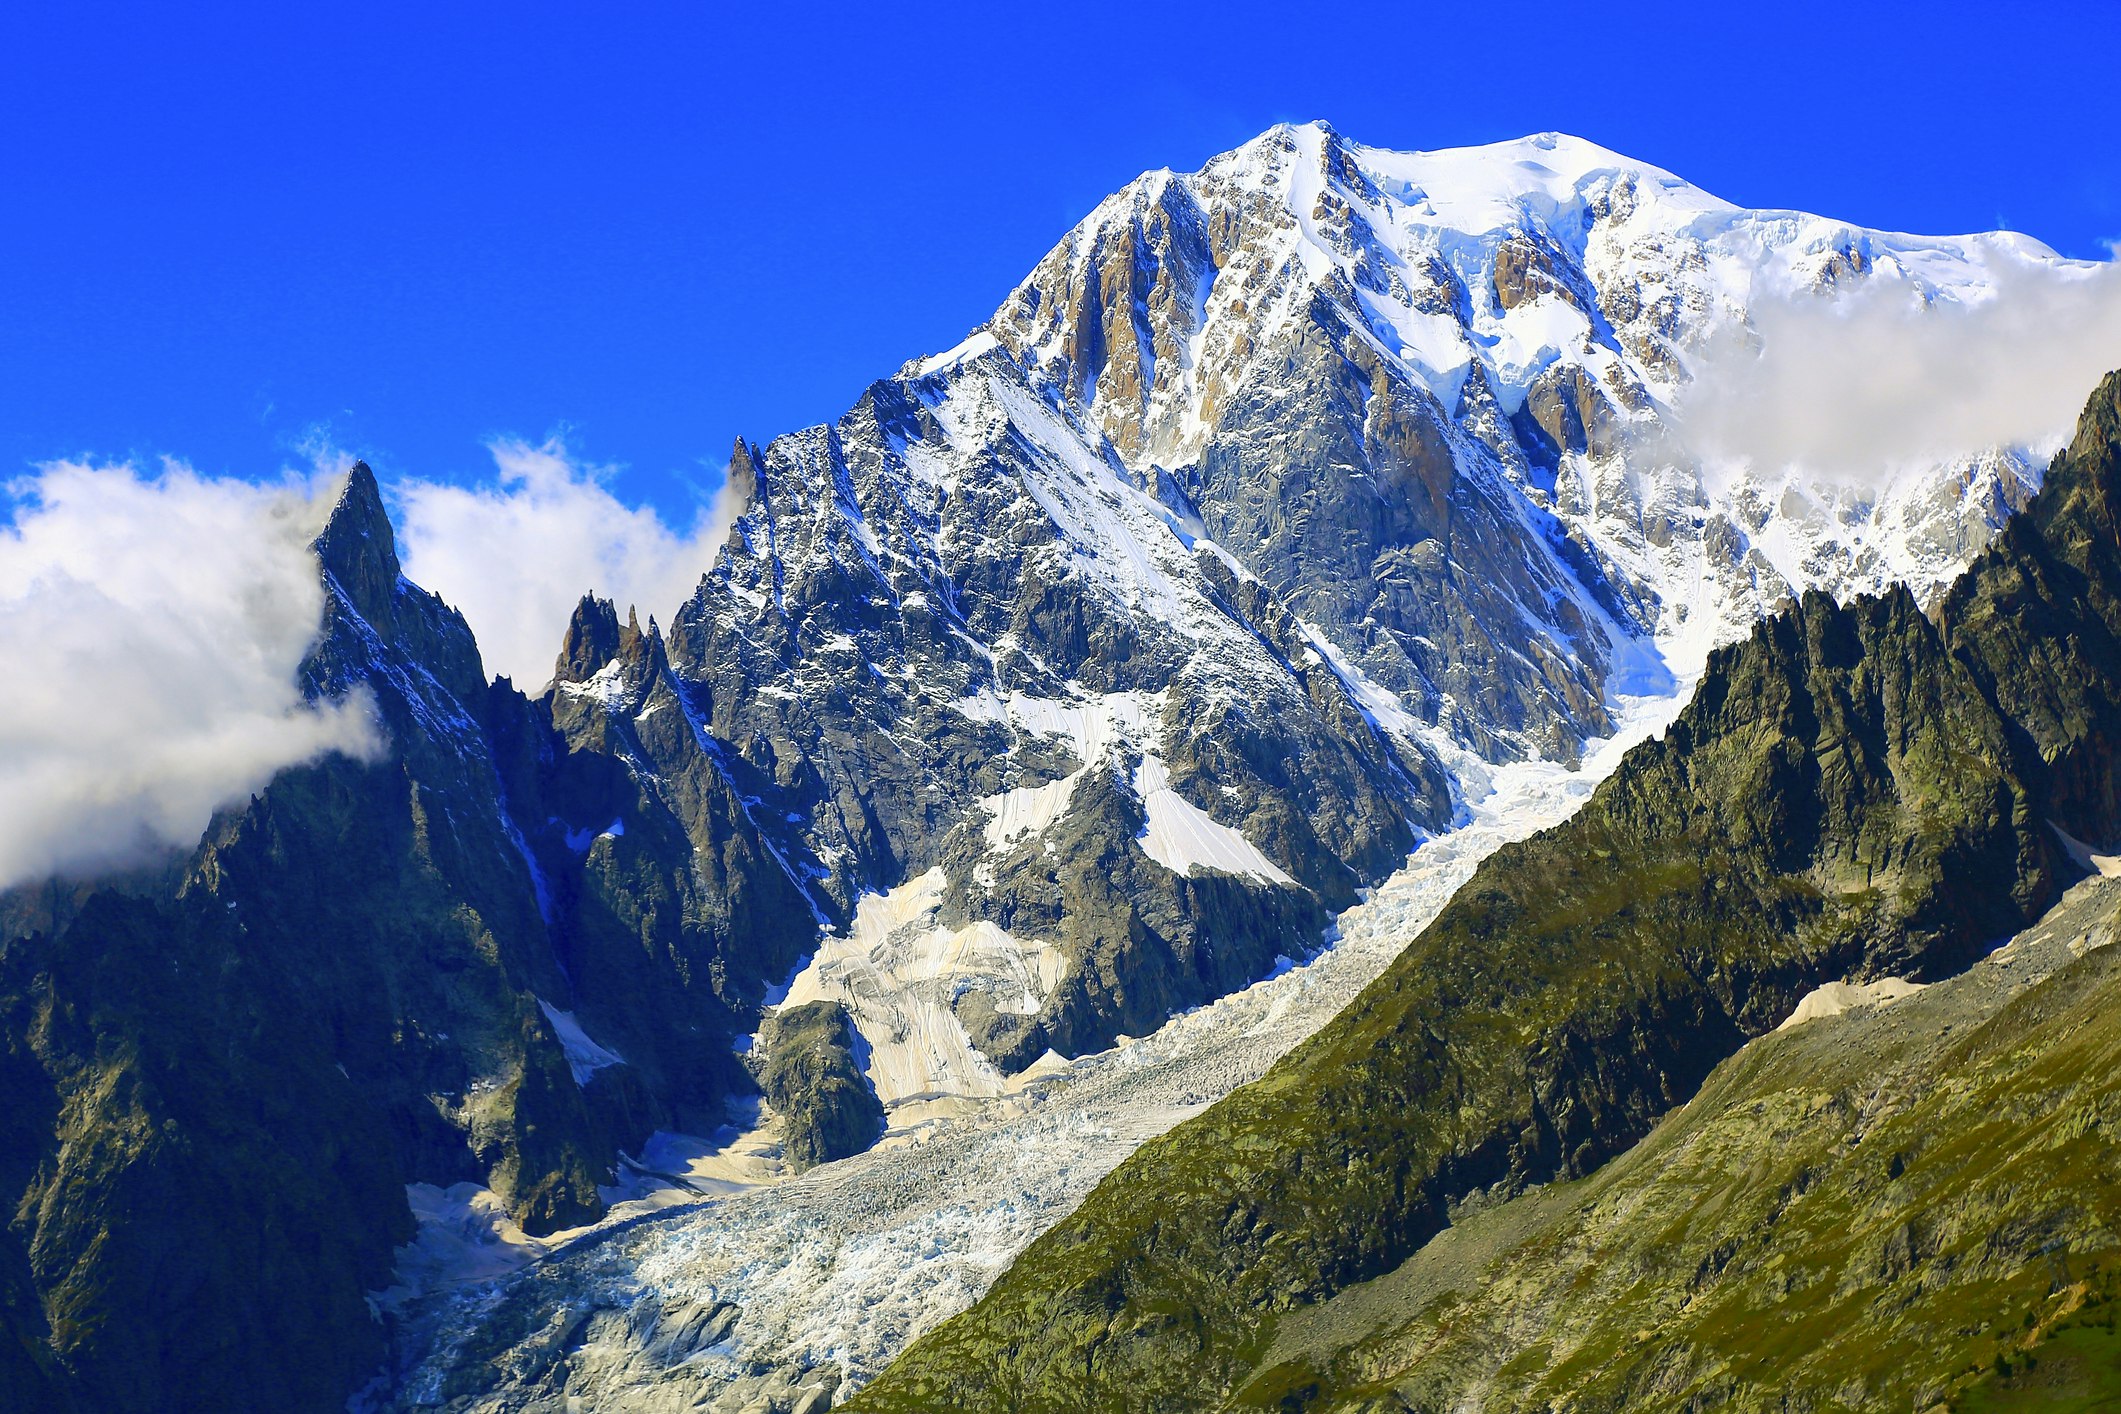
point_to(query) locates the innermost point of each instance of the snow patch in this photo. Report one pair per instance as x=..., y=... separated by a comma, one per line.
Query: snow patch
x=1177, y=834
x=1095, y=728
x=972, y=347
x=1026, y=810
x=584, y=1056
x=2081, y=854
x=1834, y=998
x=1182, y=837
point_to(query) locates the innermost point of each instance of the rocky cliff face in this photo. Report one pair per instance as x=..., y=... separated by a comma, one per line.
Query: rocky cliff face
x=1852, y=792
x=953, y=632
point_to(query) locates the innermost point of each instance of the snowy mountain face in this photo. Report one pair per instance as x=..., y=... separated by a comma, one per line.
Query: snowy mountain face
x=1286, y=510
x=960, y=653
x=1477, y=344
x=1115, y=648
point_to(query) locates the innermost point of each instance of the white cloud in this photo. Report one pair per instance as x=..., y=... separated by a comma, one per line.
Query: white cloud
x=516, y=554
x=1862, y=383
x=152, y=626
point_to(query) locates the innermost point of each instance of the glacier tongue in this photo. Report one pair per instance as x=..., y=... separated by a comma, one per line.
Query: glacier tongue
x=825, y=1276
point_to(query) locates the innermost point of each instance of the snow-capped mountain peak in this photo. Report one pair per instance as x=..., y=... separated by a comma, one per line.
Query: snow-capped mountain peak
x=1291, y=513
x=1544, y=298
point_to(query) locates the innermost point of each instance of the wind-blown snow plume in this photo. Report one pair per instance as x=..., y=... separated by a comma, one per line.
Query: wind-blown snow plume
x=1858, y=384
x=152, y=626
x=516, y=554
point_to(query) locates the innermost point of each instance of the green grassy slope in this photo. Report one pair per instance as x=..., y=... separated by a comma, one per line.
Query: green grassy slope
x=1886, y=1209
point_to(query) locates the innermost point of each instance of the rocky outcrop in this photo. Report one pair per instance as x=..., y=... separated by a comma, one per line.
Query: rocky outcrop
x=673, y=909
x=809, y=1068
x=1142, y=940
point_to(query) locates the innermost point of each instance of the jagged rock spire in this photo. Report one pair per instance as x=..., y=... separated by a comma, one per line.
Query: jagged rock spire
x=357, y=546
x=592, y=640
x=640, y=651
x=595, y=640
x=745, y=475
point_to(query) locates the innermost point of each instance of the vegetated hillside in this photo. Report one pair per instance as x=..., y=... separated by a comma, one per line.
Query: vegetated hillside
x=1897, y=1207
x=1855, y=791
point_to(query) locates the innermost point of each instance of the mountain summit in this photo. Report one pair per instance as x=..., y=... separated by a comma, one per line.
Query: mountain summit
x=1420, y=394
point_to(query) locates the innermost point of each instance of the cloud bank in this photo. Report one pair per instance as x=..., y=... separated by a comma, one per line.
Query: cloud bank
x=152, y=626
x=1858, y=385
x=516, y=554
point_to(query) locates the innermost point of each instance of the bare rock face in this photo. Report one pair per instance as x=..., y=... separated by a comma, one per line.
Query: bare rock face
x=1525, y=271
x=809, y=1067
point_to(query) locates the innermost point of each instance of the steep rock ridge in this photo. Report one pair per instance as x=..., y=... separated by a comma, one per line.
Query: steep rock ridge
x=1852, y=792
x=371, y=974
x=674, y=911
x=1428, y=399
x=422, y=861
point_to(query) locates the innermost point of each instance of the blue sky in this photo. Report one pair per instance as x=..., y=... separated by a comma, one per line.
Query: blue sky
x=417, y=228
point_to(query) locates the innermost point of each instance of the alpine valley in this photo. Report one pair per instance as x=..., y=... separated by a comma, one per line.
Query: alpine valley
x=1265, y=832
